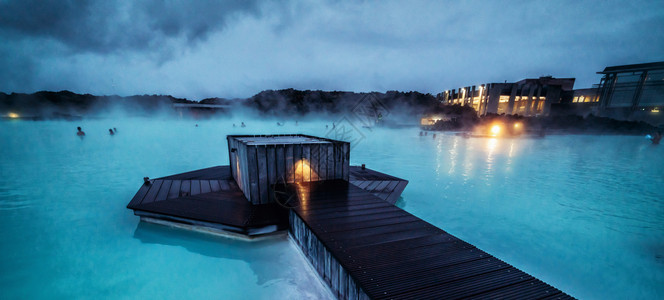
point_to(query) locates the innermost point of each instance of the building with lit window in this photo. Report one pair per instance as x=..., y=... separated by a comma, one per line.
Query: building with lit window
x=582, y=103
x=633, y=92
x=528, y=97
x=585, y=96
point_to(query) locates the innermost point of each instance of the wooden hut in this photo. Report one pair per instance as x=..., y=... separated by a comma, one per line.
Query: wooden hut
x=260, y=161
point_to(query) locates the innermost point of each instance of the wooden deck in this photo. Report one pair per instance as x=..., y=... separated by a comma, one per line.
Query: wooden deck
x=364, y=247
x=207, y=197
x=210, y=197
x=383, y=186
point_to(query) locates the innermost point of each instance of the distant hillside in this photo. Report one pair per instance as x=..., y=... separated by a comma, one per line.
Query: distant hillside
x=291, y=101
x=65, y=103
x=287, y=102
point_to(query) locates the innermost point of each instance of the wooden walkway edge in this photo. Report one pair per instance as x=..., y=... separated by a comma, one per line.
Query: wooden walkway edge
x=365, y=248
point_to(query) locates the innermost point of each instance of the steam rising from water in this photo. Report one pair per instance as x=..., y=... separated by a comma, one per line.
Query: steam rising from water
x=583, y=213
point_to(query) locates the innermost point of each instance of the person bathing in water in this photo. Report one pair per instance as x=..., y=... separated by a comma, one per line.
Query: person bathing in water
x=656, y=138
x=110, y=131
x=80, y=132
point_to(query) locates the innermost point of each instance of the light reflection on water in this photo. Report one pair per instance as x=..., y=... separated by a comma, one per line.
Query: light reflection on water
x=584, y=213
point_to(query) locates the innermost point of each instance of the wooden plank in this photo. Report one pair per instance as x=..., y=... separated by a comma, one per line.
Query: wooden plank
x=391, y=186
x=232, y=156
x=306, y=163
x=261, y=158
x=381, y=186
x=330, y=162
x=314, y=161
x=195, y=187
x=396, y=193
x=163, y=191
x=252, y=170
x=297, y=163
x=365, y=184
x=280, y=157
x=290, y=170
x=214, y=186
x=205, y=186
x=338, y=161
x=185, y=188
x=346, y=161
x=174, y=191
x=152, y=193
x=217, y=172
x=271, y=171
x=383, y=195
x=372, y=186
x=322, y=162
x=136, y=200
x=246, y=167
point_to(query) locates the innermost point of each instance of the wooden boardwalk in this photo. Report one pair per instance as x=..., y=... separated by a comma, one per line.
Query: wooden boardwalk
x=364, y=247
x=210, y=197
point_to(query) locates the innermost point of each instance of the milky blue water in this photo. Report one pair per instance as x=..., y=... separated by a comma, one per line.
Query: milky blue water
x=583, y=213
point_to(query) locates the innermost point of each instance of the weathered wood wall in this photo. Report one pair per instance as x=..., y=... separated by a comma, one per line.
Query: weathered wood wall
x=256, y=168
x=327, y=266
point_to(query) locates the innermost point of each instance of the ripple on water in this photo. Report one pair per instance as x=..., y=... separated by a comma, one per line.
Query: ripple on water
x=9, y=202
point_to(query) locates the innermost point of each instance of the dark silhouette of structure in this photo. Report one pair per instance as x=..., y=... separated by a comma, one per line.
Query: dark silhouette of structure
x=528, y=97
x=633, y=92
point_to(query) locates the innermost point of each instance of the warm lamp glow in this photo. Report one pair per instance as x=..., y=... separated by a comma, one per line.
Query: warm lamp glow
x=517, y=125
x=495, y=129
x=13, y=115
x=238, y=171
x=303, y=172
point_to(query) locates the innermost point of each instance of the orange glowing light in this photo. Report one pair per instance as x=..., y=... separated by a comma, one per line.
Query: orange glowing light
x=517, y=125
x=239, y=172
x=303, y=171
x=13, y=115
x=495, y=129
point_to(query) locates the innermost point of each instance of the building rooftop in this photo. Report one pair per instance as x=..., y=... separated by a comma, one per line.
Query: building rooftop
x=281, y=139
x=633, y=68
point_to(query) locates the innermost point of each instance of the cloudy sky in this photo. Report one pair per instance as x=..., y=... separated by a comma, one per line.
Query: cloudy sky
x=199, y=49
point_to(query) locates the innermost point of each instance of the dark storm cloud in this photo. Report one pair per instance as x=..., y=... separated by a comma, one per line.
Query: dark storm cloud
x=200, y=49
x=107, y=26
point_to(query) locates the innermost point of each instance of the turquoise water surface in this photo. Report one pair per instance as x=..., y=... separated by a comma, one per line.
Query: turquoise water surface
x=583, y=213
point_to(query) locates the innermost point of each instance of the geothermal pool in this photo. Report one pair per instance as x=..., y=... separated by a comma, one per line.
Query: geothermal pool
x=583, y=213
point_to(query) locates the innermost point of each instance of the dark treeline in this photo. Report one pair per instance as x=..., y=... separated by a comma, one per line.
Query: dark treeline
x=291, y=101
x=65, y=104
x=286, y=102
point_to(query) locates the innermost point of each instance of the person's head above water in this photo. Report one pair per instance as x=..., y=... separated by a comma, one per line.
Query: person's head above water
x=111, y=131
x=79, y=128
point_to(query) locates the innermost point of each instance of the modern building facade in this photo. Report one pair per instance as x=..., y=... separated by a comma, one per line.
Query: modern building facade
x=528, y=97
x=589, y=95
x=633, y=92
x=582, y=103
